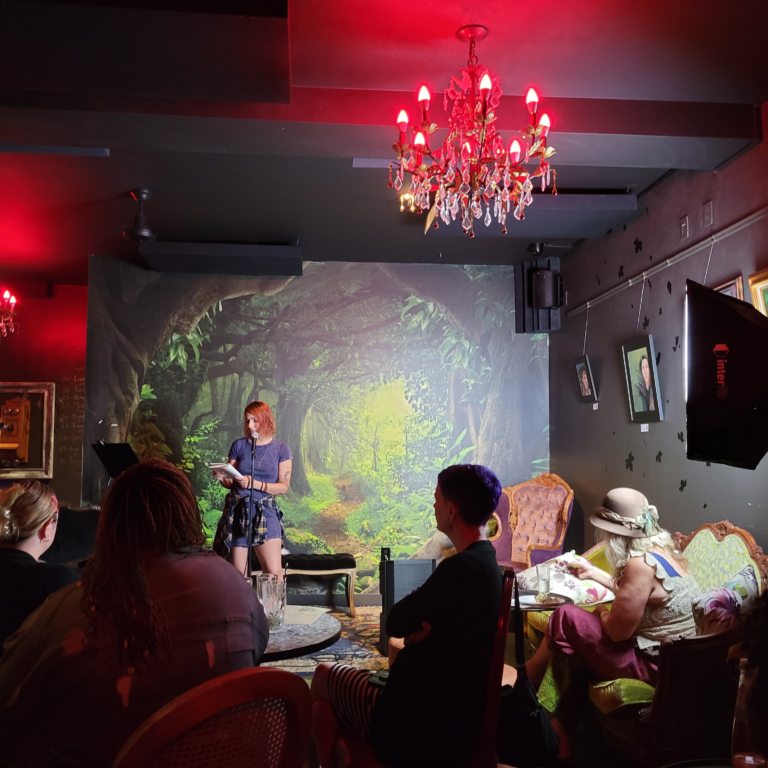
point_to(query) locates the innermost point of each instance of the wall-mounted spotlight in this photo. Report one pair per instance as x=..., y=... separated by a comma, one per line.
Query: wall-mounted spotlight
x=140, y=231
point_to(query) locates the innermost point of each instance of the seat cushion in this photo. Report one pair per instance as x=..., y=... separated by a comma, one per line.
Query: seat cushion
x=613, y=694
x=319, y=562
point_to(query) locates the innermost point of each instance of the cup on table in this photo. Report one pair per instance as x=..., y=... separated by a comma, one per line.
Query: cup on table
x=271, y=595
x=542, y=578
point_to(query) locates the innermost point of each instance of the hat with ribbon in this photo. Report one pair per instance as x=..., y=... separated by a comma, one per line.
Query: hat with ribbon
x=628, y=513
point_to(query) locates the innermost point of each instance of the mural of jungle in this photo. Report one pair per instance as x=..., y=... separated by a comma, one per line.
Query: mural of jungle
x=379, y=376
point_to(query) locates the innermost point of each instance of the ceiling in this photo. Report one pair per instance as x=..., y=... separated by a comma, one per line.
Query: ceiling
x=263, y=121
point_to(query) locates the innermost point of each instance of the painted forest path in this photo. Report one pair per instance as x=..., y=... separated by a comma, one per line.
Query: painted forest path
x=331, y=523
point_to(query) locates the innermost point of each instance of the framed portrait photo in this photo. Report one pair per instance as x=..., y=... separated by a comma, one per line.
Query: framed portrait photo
x=642, y=379
x=587, y=389
x=26, y=430
x=733, y=288
x=758, y=287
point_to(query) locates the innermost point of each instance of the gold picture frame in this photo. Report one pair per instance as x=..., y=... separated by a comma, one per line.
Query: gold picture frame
x=26, y=430
x=733, y=288
x=758, y=287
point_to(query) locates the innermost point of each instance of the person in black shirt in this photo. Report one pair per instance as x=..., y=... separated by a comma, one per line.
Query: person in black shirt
x=29, y=514
x=430, y=711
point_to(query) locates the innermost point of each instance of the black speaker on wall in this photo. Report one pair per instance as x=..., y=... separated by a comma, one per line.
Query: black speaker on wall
x=538, y=296
x=398, y=578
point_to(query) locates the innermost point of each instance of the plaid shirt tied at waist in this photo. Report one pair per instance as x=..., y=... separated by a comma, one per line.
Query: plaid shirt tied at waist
x=236, y=511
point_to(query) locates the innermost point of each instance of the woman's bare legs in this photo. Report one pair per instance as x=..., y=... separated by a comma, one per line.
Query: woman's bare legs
x=237, y=556
x=538, y=663
x=269, y=557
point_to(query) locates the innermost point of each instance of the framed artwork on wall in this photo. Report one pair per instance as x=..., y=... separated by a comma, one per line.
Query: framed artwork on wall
x=587, y=389
x=26, y=430
x=642, y=380
x=758, y=287
x=733, y=288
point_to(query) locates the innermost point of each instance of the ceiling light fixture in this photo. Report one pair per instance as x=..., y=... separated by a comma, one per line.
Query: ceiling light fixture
x=7, y=313
x=472, y=172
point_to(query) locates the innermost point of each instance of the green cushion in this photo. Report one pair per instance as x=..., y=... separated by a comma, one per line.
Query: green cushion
x=713, y=562
x=613, y=694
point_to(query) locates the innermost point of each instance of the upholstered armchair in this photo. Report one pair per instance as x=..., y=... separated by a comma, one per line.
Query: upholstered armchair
x=531, y=520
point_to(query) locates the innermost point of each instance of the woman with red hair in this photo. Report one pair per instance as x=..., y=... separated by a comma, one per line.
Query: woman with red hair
x=265, y=465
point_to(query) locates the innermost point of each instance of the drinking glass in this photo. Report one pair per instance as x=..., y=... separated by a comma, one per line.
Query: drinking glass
x=271, y=594
x=542, y=578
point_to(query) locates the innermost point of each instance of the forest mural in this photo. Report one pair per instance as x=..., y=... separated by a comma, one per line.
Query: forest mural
x=379, y=375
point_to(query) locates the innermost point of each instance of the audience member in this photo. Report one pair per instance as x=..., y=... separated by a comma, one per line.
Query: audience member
x=430, y=711
x=653, y=601
x=153, y=617
x=755, y=645
x=29, y=514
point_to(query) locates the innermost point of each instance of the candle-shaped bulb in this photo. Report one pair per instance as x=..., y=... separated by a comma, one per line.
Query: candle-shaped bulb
x=485, y=86
x=402, y=121
x=7, y=295
x=531, y=100
x=13, y=301
x=514, y=151
x=545, y=124
x=424, y=97
x=420, y=141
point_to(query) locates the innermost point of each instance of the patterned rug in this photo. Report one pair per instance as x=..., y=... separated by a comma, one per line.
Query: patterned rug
x=357, y=646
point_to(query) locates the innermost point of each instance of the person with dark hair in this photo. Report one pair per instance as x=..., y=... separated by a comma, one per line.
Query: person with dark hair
x=262, y=458
x=643, y=386
x=430, y=711
x=29, y=515
x=154, y=616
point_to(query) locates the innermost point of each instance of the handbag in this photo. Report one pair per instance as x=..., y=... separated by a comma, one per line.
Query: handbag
x=524, y=738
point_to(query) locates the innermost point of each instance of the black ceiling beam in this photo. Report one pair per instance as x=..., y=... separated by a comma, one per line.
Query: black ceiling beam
x=277, y=9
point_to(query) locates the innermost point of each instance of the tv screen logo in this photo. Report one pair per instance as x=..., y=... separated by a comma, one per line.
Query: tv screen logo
x=721, y=353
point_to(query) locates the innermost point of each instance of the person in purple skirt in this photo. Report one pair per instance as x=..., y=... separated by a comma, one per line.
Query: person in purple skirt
x=653, y=589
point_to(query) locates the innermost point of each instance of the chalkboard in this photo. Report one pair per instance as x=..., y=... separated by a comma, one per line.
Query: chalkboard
x=68, y=437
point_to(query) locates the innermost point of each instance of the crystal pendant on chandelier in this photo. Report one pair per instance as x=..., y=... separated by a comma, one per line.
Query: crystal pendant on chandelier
x=473, y=168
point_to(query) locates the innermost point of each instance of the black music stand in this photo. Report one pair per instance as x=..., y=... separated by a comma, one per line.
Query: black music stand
x=115, y=457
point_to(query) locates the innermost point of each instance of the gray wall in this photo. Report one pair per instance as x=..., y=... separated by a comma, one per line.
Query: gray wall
x=589, y=449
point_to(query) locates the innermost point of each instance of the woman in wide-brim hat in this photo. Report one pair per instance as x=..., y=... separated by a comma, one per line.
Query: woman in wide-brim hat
x=653, y=597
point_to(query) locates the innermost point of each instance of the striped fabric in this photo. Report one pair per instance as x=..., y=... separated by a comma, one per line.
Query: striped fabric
x=353, y=697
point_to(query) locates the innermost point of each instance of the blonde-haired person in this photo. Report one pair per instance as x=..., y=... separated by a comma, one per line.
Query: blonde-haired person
x=270, y=471
x=653, y=601
x=29, y=514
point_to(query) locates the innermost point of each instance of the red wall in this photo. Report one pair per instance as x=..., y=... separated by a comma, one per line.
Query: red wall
x=49, y=345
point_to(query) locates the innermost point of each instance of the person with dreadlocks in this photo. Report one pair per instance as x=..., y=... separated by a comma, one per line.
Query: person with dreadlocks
x=153, y=616
x=29, y=516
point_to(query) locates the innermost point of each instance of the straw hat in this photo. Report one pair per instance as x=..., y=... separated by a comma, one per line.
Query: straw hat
x=628, y=513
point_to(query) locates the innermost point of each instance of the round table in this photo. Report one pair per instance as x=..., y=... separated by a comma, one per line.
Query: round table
x=296, y=640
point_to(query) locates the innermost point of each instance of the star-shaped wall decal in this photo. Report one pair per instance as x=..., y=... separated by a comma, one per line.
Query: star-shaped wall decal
x=658, y=359
x=659, y=310
x=646, y=322
x=669, y=288
x=658, y=456
x=621, y=271
x=683, y=483
x=628, y=462
x=638, y=245
x=677, y=344
x=681, y=437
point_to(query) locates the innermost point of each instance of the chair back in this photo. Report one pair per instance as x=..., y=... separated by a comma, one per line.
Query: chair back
x=254, y=718
x=485, y=752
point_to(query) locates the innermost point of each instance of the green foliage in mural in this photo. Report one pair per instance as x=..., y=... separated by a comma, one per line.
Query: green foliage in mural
x=146, y=439
x=376, y=387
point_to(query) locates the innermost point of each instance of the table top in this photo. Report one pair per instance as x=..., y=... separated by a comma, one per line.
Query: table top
x=296, y=640
x=539, y=606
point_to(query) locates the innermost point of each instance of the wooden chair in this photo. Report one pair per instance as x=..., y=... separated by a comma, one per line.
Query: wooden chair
x=246, y=719
x=338, y=747
x=531, y=520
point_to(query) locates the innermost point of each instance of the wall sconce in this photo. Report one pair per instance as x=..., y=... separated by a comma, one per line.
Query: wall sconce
x=7, y=313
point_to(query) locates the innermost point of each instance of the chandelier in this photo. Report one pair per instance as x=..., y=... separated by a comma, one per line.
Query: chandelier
x=7, y=314
x=474, y=176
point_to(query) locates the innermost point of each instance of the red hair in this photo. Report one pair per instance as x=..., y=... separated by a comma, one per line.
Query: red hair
x=265, y=420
